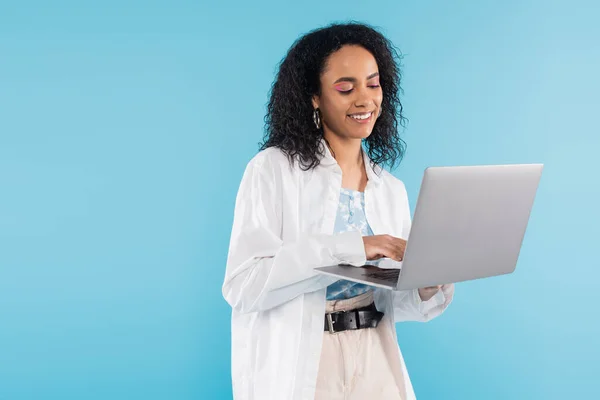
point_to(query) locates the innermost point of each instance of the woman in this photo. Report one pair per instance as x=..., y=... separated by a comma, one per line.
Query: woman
x=315, y=195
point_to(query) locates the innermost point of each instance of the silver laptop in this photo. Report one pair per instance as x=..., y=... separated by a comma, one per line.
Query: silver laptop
x=469, y=223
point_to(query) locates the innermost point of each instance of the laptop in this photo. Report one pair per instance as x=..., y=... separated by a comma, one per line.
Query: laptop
x=469, y=223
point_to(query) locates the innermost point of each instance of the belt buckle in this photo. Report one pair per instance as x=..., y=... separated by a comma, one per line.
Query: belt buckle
x=330, y=323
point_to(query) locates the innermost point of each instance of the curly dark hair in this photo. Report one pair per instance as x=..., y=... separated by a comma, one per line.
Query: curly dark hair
x=289, y=124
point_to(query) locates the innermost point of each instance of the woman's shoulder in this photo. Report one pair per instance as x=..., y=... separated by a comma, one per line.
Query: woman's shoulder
x=271, y=161
x=390, y=179
x=270, y=155
x=393, y=182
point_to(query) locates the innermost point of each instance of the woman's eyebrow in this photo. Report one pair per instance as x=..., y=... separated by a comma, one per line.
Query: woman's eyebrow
x=353, y=80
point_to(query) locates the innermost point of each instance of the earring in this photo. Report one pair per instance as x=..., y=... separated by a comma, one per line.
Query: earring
x=317, y=118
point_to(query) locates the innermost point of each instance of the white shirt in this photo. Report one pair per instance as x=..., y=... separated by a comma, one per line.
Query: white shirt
x=283, y=228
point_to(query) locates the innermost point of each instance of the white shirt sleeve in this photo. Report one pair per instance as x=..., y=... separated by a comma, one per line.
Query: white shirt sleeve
x=262, y=270
x=408, y=305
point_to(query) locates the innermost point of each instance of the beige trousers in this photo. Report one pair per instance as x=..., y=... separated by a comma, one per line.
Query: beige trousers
x=359, y=364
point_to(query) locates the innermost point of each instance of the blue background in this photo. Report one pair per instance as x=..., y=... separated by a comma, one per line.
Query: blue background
x=124, y=131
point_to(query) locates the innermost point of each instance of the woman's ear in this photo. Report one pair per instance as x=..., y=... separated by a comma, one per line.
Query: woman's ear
x=315, y=101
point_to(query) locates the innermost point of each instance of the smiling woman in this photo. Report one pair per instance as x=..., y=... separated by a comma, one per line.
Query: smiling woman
x=315, y=195
x=325, y=71
x=349, y=104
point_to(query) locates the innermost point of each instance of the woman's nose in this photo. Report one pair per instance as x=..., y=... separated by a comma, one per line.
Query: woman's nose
x=363, y=98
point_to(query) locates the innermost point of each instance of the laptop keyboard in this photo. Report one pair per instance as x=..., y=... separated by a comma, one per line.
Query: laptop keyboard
x=385, y=274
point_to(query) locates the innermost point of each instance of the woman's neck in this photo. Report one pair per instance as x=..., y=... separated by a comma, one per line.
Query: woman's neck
x=347, y=152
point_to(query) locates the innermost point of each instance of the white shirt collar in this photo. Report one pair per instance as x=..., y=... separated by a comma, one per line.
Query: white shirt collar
x=373, y=173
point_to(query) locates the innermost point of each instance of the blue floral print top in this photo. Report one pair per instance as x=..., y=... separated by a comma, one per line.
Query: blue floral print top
x=350, y=217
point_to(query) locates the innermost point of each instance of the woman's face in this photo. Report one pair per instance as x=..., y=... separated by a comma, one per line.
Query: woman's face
x=351, y=96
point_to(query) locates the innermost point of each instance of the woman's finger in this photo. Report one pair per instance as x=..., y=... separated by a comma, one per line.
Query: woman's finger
x=396, y=251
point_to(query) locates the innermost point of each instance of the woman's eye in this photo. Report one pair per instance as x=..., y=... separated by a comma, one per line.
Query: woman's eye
x=344, y=88
x=348, y=90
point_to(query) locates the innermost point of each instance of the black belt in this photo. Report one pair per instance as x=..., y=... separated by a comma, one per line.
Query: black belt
x=359, y=318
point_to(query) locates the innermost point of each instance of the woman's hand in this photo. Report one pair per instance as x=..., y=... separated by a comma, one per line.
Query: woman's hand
x=379, y=246
x=428, y=292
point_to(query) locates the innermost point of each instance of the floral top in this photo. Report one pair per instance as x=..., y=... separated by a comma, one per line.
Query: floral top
x=350, y=217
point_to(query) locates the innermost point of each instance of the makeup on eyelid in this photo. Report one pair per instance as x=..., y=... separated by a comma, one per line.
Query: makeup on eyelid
x=343, y=87
x=346, y=87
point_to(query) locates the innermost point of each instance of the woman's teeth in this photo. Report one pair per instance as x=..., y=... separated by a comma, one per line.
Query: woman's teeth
x=361, y=116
